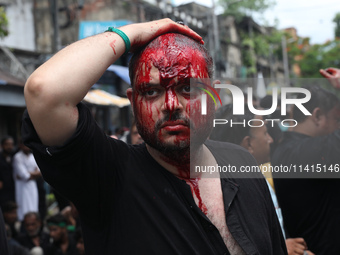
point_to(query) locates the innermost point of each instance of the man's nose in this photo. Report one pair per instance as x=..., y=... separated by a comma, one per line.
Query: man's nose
x=171, y=102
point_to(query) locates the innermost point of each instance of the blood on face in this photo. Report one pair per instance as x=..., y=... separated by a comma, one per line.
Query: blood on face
x=166, y=109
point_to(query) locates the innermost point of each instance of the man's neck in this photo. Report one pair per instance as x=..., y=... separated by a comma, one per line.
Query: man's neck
x=64, y=244
x=27, y=153
x=305, y=129
x=183, y=166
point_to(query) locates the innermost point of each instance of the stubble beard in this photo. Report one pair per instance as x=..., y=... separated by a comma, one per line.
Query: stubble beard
x=180, y=151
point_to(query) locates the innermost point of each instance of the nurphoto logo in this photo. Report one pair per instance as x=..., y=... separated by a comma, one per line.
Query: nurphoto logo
x=239, y=104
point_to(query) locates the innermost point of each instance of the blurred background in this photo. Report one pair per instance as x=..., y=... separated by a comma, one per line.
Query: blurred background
x=279, y=40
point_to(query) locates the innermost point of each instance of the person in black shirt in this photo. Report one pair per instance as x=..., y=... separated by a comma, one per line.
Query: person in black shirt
x=78, y=237
x=63, y=243
x=145, y=198
x=7, y=190
x=3, y=236
x=13, y=246
x=10, y=214
x=33, y=236
x=257, y=141
x=309, y=198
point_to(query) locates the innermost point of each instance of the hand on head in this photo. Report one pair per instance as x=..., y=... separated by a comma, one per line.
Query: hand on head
x=142, y=33
x=333, y=75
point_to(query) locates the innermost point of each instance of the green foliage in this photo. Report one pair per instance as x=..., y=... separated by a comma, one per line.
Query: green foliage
x=268, y=44
x=241, y=8
x=3, y=23
x=319, y=56
x=336, y=20
x=248, y=55
x=253, y=44
x=260, y=45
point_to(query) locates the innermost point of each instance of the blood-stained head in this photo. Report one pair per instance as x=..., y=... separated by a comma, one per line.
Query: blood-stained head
x=176, y=48
x=166, y=107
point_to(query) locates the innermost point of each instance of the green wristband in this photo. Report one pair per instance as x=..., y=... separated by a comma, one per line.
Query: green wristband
x=123, y=36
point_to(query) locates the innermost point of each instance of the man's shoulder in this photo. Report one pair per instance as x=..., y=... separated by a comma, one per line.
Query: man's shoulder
x=17, y=155
x=211, y=144
x=229, y=151
x=16, y=158
x=233, y=159
x=289, y=143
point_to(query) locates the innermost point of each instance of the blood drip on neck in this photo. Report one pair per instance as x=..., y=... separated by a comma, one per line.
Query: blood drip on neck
x=193, y=183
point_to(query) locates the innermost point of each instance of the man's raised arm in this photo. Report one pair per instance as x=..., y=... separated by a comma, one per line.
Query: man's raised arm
x=53, y=91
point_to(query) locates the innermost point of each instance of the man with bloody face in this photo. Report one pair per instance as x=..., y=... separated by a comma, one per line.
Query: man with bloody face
x=145, y=199
x=167, y=109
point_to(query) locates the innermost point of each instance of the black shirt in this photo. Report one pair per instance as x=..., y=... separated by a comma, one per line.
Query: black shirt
x=7, y=193
x=26, y=241
x=3, y=236
x=55, y=249
x=129, y=204
x=310, y=207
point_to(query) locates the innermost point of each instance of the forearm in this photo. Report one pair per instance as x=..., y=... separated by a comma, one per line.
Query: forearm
x=20, y=172
x=333, y=75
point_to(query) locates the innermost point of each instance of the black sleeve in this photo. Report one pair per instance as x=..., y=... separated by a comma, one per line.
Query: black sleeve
x=320, y=149
x=84, y=169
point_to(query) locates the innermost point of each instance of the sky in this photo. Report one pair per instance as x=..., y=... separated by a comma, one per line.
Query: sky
x=311, y=18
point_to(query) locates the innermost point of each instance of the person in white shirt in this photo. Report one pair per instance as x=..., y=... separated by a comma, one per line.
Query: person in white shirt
x=25, y=171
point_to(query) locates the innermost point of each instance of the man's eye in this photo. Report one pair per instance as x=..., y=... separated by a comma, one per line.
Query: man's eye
x=151, y=92
x=187, y=89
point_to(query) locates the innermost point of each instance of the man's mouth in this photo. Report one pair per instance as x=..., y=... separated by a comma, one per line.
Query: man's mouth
x=175, y=126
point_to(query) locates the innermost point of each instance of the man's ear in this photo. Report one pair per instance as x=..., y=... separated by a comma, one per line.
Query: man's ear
x=245, y=143
x=317, y=115
x=129, y=93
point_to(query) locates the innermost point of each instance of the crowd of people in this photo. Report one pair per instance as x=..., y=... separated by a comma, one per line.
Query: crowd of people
x=140, y=194
x=23, y=205
x=29, y=229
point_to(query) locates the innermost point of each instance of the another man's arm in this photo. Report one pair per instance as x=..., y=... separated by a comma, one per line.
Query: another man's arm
x=53, y=91
x=333, y=75
x=19, y=169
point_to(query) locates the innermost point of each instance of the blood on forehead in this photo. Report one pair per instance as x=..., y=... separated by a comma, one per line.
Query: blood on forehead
x=174, y=58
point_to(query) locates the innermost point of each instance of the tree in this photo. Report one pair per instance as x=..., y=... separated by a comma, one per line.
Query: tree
x=241, y=8
x=260, y=45
x=3, y=23
x=319, y=56
x=336, y=20
x=253, y=43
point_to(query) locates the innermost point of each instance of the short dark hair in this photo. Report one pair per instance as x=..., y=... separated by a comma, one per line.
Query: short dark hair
x=227, y=133
x=35, y=214
x=179, y=39
x=320, y=97
x=57, y=219
x=7, y=137
x=9, y=206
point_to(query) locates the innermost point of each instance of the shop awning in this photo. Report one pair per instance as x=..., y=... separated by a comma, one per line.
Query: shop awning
x=101, y=97
x=7, y=79
x=11, y=90
x=121, y=71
